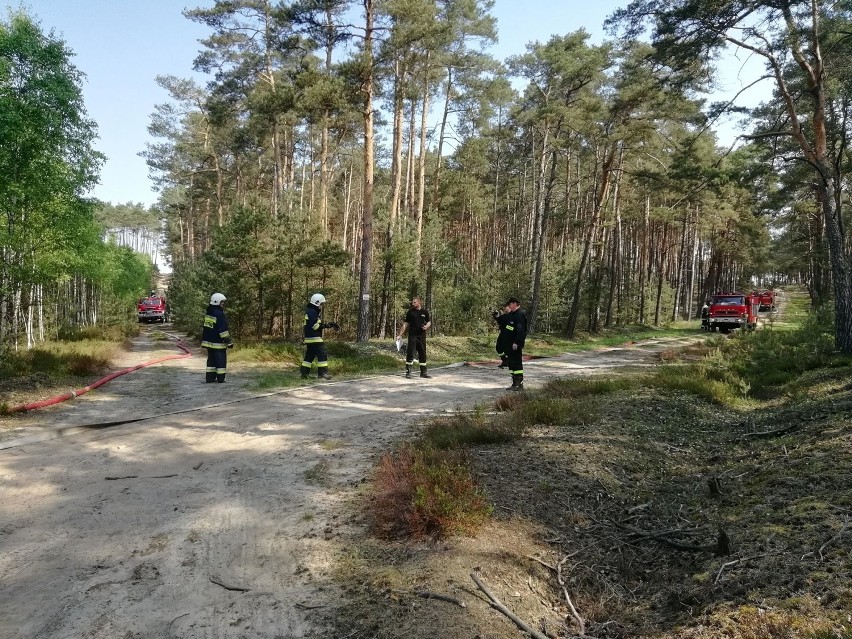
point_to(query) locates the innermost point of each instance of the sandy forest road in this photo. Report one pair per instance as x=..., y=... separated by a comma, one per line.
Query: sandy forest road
x=220, y=522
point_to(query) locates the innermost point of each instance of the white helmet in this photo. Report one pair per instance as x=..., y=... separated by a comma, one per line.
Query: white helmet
x=217, y=298
x=317, y=299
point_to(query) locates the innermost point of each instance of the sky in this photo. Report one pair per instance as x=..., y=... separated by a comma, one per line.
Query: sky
x=123, y=45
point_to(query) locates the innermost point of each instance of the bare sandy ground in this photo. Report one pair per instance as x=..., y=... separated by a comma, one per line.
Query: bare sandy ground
x=224, y=520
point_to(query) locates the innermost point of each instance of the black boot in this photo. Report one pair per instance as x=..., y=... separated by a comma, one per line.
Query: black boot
x=210, y=377
x=323, y=374
x=408, y=371
x=220, y=378
x=306, y=371
x=503, y=363
x=423, y=372
x=518, y=382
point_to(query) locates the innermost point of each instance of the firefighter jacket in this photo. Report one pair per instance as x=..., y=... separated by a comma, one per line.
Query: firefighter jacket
x=514, y=331
x=503, y=343
x=313, y=324
x=215, y=333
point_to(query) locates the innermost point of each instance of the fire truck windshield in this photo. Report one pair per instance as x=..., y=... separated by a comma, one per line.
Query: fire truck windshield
x=729, y=300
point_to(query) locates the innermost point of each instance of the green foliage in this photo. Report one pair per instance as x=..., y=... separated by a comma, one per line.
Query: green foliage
x=717, y=385
x=578, y=388
x=459, y=431
x=52, y=249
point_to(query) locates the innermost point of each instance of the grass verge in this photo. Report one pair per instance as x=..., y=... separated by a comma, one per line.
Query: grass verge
x=628, y=484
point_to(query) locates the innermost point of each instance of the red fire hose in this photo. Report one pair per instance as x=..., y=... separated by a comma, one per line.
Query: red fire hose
x=82, y=391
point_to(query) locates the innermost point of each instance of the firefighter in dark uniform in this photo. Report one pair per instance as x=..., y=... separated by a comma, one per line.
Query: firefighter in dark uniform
x=417, y=322
x=502, y=347
x=705, y=316
x=216, y=338
x=314, y=346
x=513, y=334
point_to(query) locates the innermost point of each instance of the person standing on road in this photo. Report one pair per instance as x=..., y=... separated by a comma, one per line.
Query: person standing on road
x=501, y=345
x=417, y=321
x=314, y=345
x=513, y=334
x=705, y=316
x=216, y=338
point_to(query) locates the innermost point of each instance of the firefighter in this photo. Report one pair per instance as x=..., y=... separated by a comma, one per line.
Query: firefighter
x=417, y=321
x=216, y=338
x=501, y=346
x=513, y=334
x=314, y=346
x=705, y=316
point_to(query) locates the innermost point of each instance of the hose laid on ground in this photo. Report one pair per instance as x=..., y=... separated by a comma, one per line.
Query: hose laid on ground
x=82, y=391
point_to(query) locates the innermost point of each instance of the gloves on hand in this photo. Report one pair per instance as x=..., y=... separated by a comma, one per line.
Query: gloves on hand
x=230, y=345
x=332, y=325
x=495, y=314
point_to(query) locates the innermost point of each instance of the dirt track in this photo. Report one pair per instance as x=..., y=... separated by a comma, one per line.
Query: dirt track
x=222, y=521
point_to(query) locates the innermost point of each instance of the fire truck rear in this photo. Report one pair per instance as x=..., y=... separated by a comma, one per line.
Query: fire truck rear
x=733, y=310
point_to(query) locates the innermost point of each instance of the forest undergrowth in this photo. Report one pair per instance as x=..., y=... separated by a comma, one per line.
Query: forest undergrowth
x=710, y=498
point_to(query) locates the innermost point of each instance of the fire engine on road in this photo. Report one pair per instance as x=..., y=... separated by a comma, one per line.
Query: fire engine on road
x=152, y=308
x=733, y=310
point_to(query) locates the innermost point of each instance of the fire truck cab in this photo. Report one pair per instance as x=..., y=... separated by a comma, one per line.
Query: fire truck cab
x=733, y=310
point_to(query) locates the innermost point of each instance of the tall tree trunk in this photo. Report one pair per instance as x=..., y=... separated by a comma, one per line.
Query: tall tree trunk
x=545, y=199
x=363, y=332
x=600, y=200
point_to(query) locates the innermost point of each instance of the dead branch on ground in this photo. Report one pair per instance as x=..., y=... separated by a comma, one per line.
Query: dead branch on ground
x=216, y=580
x=425, y=594
x=574, y=613
x=498, y=605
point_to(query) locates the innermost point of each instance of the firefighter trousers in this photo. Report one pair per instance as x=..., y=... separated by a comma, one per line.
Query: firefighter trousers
x=217, y=364
x=315, y=351
x=515, y=361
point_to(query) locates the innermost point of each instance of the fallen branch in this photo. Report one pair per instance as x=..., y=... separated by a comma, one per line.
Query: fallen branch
x=162, y=476
x=842, y=530
x=434, y=595
x=169, y=629
x=768, y=433
x=216, y=580
x=122, y=477
x=543, y=563
x=574, y=613
x=721, y=548
x=741, y=560
x=496, y=603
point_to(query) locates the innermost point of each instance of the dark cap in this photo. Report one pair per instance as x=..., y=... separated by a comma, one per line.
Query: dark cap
x=512, y=300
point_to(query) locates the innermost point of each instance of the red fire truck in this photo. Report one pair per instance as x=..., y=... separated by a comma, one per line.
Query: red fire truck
x=733, y=310
x=152, y=308
x=767, y=300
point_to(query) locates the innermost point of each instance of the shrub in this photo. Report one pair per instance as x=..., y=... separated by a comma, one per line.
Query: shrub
x=425, y=492
x=84, y=365
x=553, y=412
x=720, y=386
x=592, y=386
x=469, y=430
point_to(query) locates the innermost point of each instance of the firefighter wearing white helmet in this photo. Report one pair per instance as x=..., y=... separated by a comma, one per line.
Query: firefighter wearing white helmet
x=216, y=338
x=314, y=346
